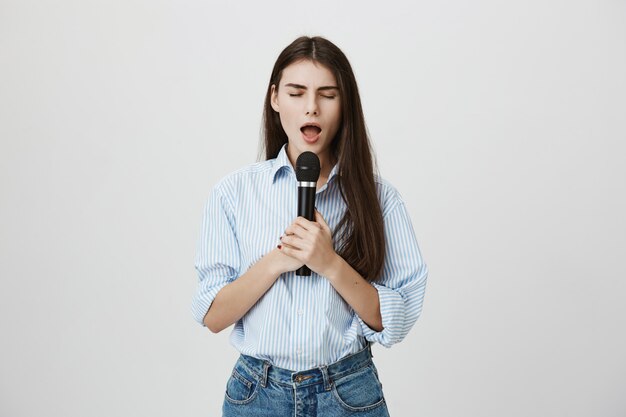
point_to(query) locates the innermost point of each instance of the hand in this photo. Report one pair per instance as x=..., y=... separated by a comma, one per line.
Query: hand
x=282, y=262
x=311, y=243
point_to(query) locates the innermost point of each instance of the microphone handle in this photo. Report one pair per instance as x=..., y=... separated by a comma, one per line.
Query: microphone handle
x=306, y=206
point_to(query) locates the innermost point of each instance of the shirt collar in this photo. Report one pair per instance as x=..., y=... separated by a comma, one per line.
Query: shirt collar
x=282, y=162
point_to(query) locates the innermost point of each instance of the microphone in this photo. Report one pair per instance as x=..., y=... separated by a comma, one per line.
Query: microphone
x=307, y=173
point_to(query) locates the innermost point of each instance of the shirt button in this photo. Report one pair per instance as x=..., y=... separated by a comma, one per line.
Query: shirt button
x=299, y=351
x=300, y=312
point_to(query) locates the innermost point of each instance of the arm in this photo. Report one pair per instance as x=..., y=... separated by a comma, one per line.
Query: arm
x=235, y=299
x=386, y=309
x=223, y=297
x=402, y=284
x=357, y=292
x=311, y=242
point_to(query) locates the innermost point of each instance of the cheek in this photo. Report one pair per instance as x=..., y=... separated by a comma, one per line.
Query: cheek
x=336, y=112
x=287, y=122
x=335, y=108
x=287, y=112
x=285, y=115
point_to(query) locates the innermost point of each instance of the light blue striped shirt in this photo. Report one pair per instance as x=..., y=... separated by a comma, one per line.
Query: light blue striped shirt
x=301, y=322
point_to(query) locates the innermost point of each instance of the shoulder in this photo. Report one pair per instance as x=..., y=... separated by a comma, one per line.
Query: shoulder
x=388, y=196
x=246, y=176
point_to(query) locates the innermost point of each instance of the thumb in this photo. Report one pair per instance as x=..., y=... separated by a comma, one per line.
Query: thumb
x=321, y=221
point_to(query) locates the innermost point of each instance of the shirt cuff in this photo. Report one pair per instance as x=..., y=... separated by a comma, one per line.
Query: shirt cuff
x=392, y=311
x=203, y=300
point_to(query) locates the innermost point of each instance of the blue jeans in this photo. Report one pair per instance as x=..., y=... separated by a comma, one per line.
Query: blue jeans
x=348, y=387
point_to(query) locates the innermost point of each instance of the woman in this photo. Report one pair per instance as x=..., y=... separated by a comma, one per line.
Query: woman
x=305, y=340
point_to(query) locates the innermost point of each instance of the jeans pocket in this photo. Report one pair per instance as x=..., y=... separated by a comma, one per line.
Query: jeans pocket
x=241, y=387
x=359, y=391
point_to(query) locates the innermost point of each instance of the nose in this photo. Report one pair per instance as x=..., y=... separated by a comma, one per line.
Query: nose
x=311, y=107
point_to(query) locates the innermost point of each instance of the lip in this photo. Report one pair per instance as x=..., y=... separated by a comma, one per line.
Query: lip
x=311, y=124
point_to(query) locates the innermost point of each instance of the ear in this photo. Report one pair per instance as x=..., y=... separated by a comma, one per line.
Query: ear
x=274, y=98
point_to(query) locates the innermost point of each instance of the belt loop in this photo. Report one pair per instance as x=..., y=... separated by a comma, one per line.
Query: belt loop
x=327, y=381
x=369, y=348
x=266, y=367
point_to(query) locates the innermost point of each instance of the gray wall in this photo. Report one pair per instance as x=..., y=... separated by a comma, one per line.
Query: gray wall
x=501, y=123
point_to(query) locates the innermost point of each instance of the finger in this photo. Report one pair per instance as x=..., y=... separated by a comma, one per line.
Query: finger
x=292, y=241
x=295, y=229
x=305, y=223
x=321, y=221
x=299, y=243
x=289, y=251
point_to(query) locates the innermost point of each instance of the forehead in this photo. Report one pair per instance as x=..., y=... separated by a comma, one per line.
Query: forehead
x=308, y=73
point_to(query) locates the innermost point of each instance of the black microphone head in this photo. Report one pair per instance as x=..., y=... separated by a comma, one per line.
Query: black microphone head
x=308, y=167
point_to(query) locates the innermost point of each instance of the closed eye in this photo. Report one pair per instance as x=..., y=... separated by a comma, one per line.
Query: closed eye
x=300, y=94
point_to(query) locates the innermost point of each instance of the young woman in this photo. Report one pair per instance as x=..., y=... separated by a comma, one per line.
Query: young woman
x=305, y=340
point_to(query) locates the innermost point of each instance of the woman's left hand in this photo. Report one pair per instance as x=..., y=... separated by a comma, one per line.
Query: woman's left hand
x=311, y=243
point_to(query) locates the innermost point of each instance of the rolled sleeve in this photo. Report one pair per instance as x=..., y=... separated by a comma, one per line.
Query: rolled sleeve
x=402, y=285
x=217, y=258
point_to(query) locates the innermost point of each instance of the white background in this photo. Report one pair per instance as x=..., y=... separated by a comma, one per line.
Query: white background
x=501, y=123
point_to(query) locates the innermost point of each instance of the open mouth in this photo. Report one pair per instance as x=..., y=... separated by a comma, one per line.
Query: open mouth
x=311, y=131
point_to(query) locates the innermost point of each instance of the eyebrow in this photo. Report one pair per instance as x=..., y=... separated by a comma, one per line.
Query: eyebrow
x=303, y=87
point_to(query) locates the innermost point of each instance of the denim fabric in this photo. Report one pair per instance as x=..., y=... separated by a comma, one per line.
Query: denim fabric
x=348, y=387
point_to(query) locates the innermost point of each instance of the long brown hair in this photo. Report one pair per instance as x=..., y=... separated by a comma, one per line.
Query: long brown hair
x=360, y=232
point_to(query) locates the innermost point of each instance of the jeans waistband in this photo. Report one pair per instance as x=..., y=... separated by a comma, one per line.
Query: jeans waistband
x=322, y=374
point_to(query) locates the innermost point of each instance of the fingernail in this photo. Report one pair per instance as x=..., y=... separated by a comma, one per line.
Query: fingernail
x=279, y=246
